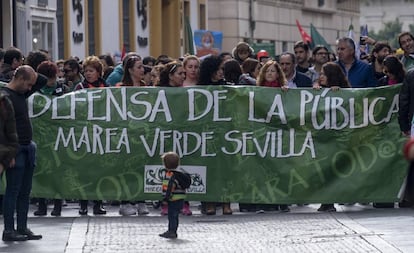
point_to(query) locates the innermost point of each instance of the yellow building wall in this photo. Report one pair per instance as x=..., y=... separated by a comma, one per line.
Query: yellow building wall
x=165, y=27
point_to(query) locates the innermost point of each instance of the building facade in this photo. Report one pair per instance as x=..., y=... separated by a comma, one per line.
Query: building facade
x=274, y=21
x=375, y=13
x=92, y=27
x=152, y=27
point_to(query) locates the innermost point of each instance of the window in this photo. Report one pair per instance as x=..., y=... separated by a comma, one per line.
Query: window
x=91, y=28
x=42, y=36
x=60, y=28
x=202, y=16
x=284, y=46
x=321, y=3
x=125, y=21
x=42, y=3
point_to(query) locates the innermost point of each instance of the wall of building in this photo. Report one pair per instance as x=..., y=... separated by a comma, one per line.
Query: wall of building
x=7, y=29
x=110, y=23
x=156, y=26
x=80, y=28
x=375, y=13
x=275, y=21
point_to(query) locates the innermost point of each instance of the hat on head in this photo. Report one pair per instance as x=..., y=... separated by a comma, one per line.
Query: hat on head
x=261, y=54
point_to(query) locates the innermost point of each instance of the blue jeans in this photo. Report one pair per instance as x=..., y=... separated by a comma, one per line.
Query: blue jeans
x=174, y=208
x=18, y=188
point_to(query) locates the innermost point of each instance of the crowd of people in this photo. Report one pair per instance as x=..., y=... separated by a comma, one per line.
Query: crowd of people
x=304, y=67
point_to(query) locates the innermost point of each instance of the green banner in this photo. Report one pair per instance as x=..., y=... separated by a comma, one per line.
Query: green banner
x=241, y=144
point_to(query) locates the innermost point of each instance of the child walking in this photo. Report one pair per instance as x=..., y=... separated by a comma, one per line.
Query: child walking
x=173, y=193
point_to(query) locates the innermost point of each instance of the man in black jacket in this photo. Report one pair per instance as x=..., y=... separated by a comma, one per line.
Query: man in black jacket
x=295, y=78
x=25, y=82
x=405, y=117
x=8, y=134
x=406, y=104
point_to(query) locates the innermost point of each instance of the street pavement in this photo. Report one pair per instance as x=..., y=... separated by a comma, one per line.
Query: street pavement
x=356, y=228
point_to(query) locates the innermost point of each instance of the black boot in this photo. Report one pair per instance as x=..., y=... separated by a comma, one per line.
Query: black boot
x=42, y=208
x=12, y=235
x=29, y=234
x=83, y=210
x=1, y=204
x=57, y=207
x=98, y=208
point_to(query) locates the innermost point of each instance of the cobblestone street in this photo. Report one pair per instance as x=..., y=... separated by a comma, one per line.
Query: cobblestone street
x=352, y=229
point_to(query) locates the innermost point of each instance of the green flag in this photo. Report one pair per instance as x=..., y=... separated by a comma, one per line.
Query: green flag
x=317, y=38
x=189, y=37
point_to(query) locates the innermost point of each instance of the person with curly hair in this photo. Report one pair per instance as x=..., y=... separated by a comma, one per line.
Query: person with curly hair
x=212, y=73
x=271, y=75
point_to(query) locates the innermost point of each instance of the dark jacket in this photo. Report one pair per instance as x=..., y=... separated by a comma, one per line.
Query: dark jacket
x=406, y=102
x=8, y=133
x=116, y=75
x=302, y=81
x=100, y=83
x=360, y=75
x=6, y=73
x=21, y=113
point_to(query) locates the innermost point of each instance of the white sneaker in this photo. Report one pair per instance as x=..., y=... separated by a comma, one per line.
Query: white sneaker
x=127, y=210
x=142, y=209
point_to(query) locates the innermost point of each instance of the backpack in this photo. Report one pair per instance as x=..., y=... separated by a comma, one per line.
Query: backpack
x=183, y=178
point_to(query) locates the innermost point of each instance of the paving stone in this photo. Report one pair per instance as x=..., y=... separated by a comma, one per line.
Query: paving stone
x=275, y=232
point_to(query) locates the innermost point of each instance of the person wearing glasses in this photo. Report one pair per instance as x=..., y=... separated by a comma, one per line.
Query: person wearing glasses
x=72, y=75
x=320, y=56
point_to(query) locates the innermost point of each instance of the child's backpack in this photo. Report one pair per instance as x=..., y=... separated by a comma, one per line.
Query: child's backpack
x=183, y=178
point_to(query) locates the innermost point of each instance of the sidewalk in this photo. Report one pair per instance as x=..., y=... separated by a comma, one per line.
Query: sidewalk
x=351, y=229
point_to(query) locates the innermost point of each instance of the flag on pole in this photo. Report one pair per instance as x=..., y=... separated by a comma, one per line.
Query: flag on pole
x=189, y=40
x=352, y=36
x=364, y=32
x=317, y=39
x=351, y=32
x=123, y=52
x=305, y=36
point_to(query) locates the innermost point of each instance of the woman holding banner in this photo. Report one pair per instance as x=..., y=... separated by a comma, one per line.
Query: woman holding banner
x=52, y=88
x=174, y=75
x=93, y=70
x=272, y=75
x=133, y=75
x=331, y=76
x=211, y=73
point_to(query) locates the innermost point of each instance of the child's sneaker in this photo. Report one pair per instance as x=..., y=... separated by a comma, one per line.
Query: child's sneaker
x=142, y=209
x=186, y=209
x=127, y=209
x=168, y=234
x=164, y=209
